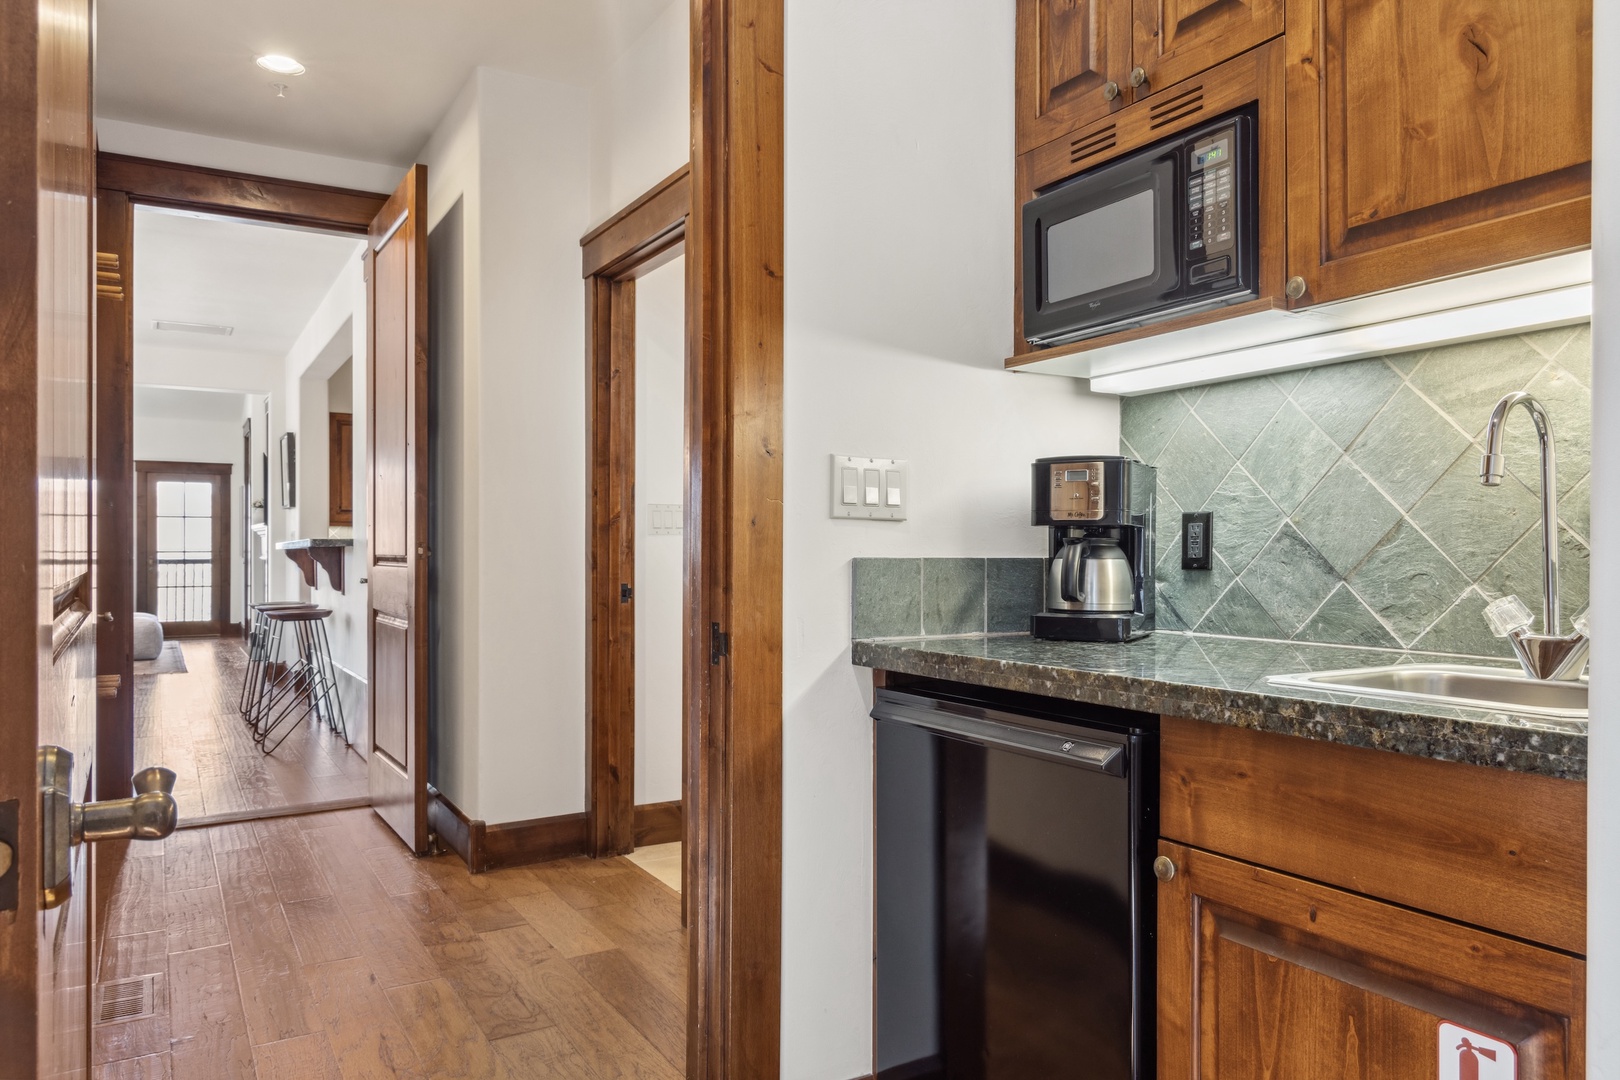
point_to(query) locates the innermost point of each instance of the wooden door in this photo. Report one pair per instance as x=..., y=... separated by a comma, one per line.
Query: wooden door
x=1263, y=974
x=397, y=509
x=47, y=592
x=340, y=475
x=1074, y=64
x=1176, y=39
x=1428, y=138
x=183, y=545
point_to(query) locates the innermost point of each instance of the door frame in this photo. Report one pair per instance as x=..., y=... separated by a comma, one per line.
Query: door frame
x=146, y=473
x=645, y=235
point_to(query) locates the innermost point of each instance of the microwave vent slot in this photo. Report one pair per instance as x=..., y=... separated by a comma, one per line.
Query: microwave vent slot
x=1091, y=145
x=1190, y=102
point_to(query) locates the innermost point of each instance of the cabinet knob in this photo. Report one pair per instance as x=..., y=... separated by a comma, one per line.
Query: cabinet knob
x=1110, y=90
x=1138, y=76
x=1163, y=868
x=1295, y=287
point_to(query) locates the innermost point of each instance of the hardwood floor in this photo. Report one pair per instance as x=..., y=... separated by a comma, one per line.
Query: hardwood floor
x=189, y=722
x=316, y=947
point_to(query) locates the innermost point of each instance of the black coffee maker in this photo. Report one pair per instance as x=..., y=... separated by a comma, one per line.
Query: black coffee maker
x=1099, y=515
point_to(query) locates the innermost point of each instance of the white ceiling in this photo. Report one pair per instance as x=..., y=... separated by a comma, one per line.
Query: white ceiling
x=381, y=73
x=165, y=403
x=263, y=280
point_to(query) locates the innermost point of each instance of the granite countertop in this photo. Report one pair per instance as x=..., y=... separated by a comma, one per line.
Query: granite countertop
x=1223, y=680
x=317, y=542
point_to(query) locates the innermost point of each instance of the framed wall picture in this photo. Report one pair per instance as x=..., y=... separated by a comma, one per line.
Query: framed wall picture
x=289, y=472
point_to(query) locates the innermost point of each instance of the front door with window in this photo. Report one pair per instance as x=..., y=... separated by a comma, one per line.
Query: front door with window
x=182, y=514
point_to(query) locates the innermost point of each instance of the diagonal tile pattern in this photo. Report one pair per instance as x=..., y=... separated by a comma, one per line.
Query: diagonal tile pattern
x=1346, y=498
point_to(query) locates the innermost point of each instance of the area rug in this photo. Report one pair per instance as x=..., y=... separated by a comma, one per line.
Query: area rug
x=171, y=661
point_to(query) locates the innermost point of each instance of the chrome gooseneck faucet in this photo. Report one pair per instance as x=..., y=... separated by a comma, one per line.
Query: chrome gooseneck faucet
x=1548, y=655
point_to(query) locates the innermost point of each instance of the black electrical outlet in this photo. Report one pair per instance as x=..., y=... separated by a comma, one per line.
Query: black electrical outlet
x=1197, y=540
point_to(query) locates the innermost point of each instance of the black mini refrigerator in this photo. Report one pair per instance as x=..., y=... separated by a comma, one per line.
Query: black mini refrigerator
x=1015, y=898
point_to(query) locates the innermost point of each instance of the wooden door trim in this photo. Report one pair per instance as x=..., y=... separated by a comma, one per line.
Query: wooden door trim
x=114, y=363
x=223, y=524
x=238, y=195
x=645, y=234
x=733, y=685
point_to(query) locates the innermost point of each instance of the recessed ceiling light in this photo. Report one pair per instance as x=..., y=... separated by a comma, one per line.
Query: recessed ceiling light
x=281, y=65
x=192, y=327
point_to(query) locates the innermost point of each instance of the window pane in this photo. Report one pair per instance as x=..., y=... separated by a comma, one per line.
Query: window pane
x=199, y=536
x=171, y=536
x=199, y=499
x=171, y=497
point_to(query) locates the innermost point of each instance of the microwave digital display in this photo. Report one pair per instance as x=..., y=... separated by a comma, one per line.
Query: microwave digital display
x=1163, y=231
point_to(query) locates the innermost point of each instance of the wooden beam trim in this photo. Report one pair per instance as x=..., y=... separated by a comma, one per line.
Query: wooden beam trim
x=619, y=241
x=240, y=195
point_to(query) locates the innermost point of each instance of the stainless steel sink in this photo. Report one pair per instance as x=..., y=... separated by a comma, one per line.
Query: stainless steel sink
x=1452, y=684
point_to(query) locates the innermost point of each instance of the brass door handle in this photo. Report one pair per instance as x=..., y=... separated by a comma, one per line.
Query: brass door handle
x=1164, y=868
x=1110, y=90
x=1138, y=76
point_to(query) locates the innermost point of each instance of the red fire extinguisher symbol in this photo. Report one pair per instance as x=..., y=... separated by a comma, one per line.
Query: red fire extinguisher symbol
x=1468, y=1059
x=1466, y=1054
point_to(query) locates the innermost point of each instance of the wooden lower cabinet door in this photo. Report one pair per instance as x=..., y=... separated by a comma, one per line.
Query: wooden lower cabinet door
x=1263, y=975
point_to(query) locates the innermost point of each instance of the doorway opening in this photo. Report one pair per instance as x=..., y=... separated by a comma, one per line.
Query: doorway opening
x=241, y=400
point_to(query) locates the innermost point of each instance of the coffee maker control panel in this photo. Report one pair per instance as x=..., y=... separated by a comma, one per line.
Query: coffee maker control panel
x=1078, y=489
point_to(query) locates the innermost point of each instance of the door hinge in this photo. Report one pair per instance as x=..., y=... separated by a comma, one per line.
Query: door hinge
x=625, y=593
x=719, y=644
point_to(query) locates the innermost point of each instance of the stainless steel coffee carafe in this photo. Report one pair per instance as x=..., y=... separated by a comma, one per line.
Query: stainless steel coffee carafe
x=1090, y=574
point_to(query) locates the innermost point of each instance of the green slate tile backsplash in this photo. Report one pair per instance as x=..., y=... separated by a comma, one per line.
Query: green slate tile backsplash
x=1347, y=501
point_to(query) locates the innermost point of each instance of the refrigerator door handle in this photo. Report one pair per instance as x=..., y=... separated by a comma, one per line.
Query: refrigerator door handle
x=999, y=729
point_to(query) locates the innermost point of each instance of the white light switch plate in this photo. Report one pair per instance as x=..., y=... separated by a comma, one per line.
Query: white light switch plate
x=876, y=489
x=664, y=519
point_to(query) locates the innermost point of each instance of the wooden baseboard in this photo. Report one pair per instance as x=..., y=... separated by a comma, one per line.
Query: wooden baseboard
x=516, y=843
x=659, y=823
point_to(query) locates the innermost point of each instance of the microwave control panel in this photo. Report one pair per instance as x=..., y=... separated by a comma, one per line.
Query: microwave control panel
x=1212, y=215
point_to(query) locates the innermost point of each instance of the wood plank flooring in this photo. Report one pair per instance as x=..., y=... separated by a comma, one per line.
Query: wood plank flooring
x=316, y=947
x=189, y=723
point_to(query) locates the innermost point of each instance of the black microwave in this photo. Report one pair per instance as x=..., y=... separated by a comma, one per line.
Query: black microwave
x=1164, y=231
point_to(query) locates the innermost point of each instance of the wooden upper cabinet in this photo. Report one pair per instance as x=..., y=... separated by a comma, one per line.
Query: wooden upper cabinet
x=1175, y=39
x=1263, y=974
x=1070, y=52
x=1432, y=137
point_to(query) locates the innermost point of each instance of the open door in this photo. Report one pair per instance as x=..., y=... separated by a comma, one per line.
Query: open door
x=47, y=589
x=397, y=509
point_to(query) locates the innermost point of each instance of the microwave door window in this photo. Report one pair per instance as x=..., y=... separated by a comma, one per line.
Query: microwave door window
x=1105, y=247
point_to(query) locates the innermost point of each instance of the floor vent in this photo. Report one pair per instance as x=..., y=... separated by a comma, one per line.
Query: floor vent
x=126, y=999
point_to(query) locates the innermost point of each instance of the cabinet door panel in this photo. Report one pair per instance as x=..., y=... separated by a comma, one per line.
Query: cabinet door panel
x=1434, y=137
x=1262, y=974
x=1176, y=39
x=1068, y=51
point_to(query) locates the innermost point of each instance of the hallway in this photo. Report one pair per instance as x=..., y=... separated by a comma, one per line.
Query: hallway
x=316, y=948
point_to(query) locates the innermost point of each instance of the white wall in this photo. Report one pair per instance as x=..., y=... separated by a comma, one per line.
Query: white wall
x=899, y=311
x=513, y=153
x=640, y=113
x=169, y=434
x=1603, y=777
x=208, y=151
x=660, y=565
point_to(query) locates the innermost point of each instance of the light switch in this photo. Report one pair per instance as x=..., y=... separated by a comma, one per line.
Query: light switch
x=870, y=488
x=893, y=486
x=873, y=485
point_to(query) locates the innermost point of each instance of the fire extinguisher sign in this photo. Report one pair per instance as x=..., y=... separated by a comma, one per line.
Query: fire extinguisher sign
x=1466, y=1054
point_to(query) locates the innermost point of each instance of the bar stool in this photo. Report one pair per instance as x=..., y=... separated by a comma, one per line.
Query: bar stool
x=258, y=638
x=306, y=682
